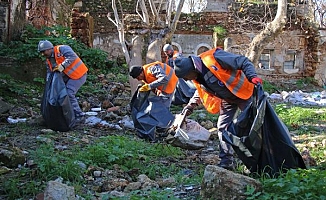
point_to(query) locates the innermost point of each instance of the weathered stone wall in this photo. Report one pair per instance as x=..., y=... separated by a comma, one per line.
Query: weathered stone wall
x=278, y=47
x=48, y=13
x=82, y=27
x=194, y=31
x=22, y=71
x=320, y=75
x=105, y=34
x=12, y=19
x=3, y=21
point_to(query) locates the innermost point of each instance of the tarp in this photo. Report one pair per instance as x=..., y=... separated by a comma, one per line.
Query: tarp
x=183, y=92
x=261, y=140
x=56, y=108
x=148, y=114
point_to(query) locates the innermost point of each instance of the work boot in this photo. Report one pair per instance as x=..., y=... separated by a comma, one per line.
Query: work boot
x=228, y=166
x=80, y=119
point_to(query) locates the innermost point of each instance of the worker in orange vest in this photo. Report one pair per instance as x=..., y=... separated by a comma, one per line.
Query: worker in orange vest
x=224, y=83
x=158, y=77
x=184, y=89
x=171, y=54
x=63, y=59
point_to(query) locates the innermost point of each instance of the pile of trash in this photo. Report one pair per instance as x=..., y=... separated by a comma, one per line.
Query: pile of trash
x=300, y=98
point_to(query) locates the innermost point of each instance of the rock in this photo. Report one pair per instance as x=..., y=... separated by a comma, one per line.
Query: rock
x=132, y=186
x=219, y=183
x=167, y=182
x=147, y=183
x=11, y=156
x=4, y=107
x=4, y=170
x=121, y=101
x=307, y=158
x=59, y=191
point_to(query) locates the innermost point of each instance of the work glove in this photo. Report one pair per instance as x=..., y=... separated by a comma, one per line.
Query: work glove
x=146, y=87
x=58, y=68
x=257, y=80
x=188, y=109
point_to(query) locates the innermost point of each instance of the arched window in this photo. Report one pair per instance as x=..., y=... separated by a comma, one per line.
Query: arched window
x=202, y=48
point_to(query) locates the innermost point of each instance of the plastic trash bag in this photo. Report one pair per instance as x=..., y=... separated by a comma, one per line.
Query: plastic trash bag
x=148, y=113
x=56, y=108
x=183, y=92
x=261, y=140
x=198, y=136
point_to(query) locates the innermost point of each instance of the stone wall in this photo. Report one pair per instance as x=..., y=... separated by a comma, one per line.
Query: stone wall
x=12, y=19
x=321, y=71
x=22, y=71
x=194, y=33
x=3, y=21
x=82, y=27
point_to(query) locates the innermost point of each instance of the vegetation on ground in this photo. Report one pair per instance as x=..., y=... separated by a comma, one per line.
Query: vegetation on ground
x=108, y=149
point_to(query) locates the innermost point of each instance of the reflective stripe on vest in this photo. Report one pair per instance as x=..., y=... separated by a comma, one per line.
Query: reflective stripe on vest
x=234, y=80
x=169, y=87
x=75, y=70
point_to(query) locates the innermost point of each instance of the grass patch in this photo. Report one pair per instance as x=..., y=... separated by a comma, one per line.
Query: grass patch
x=295, y=184
x=106, y=153
x=296, y=117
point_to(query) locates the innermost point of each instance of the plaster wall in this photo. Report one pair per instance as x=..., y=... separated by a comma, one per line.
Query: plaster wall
x=190, y=43
x=217, y=6
x=109, y=43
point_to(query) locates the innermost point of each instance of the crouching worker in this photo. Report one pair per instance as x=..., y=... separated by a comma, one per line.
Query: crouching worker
x=64, y=60
x=224, y=83
x=159, y=78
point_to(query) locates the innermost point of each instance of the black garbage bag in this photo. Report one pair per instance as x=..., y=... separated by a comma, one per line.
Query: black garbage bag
x=148, y=114
x=56, y=108
x=183, y=92
x=261, y=140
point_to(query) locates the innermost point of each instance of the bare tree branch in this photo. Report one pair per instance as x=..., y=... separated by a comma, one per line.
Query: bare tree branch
x=155, y=12
x=176, y=18
x=144, y=16
x=120, y=27
x=169, y=10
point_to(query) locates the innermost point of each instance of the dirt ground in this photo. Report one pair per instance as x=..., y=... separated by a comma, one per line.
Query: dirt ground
x=27, y=137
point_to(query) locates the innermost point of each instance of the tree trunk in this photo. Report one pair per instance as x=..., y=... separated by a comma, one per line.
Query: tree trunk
x=135, y=59
x=271, y=31
x=158, y=32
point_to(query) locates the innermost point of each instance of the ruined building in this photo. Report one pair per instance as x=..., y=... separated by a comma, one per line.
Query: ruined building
x=298, y=52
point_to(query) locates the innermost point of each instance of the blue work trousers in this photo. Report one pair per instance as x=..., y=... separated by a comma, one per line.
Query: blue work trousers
x=228, y=111
x=73, y=86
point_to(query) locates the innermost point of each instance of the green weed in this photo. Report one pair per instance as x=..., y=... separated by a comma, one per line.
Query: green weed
x=295, y=117
x=58, y=35
x=295, y=184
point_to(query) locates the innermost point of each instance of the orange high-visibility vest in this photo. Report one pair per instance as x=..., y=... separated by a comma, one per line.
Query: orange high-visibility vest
x=210, y=101
x=75, y=70
x=235, y=81
x=169, y=87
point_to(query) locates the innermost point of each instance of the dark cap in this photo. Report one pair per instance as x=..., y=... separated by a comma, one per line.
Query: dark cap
x=182, y=66
x=135, y=70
